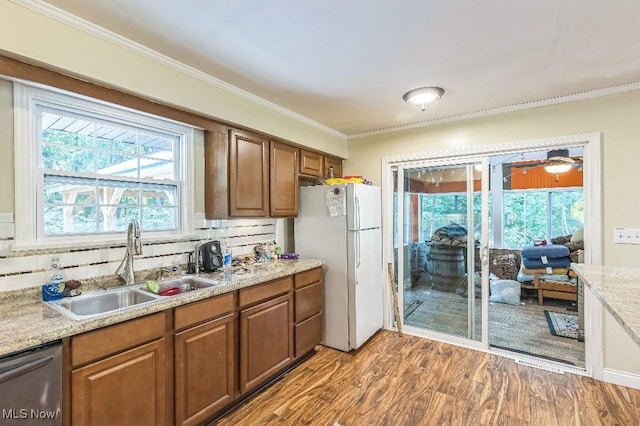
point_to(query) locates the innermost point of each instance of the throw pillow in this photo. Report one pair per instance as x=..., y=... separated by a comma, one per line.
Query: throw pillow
x=504, y=266
x=578, y=236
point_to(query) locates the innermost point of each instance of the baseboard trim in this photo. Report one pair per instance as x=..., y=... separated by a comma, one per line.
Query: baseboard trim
x=621, y=378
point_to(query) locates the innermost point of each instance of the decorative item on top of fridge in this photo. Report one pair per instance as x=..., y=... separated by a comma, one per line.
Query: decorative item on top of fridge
x=347, y=179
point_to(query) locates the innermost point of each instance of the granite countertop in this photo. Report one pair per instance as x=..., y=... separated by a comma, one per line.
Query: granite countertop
x=618, y=288
x=25, y=321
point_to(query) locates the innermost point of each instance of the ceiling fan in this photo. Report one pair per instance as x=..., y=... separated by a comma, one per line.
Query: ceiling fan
x=558, y=161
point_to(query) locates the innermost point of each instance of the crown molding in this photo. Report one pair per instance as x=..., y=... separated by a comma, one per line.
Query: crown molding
x=590, y=94
x=137, y=48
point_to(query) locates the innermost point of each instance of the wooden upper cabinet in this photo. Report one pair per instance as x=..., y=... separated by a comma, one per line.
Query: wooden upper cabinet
x=336, y=163
x=283, y=182
x=236, y=174
x=216, y=176
x=248, y=175
x=311, y=163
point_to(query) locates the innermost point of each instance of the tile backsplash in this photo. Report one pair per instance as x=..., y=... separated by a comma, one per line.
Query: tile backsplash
x=19, y=270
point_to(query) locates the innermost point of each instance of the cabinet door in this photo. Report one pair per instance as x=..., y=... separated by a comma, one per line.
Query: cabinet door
x=248, y=175
x=283, y=180
x=204, y=370
x=311, y=163
x=336, y=163
x=125, y=389
x=216, y=172
x=266, y=340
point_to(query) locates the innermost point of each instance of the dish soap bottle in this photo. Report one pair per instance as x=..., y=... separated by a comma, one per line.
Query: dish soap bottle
x=226, y=253
x=53, y=288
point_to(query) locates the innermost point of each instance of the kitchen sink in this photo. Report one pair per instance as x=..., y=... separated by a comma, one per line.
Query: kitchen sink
x=110, y=301
x=87, y=306
x=185, y=284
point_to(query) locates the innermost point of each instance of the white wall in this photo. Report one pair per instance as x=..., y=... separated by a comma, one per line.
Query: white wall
x=621, y=351
x=616, y=117
x=40, y=39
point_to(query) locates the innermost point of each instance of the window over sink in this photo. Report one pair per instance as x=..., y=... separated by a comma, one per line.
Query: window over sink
x=91, y=167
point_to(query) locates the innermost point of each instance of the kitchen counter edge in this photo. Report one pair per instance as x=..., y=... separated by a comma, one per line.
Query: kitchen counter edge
x=618, y=289
x=27, y=323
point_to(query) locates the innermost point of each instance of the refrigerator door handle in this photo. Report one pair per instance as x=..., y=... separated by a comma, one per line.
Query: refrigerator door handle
x=357, y=213
x=357, y=253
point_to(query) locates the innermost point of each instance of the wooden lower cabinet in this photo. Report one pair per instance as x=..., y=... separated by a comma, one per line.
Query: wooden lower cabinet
x=266, y=340
x=186, y=365
x=204, y=370
x=308, y=312
x=124, y=389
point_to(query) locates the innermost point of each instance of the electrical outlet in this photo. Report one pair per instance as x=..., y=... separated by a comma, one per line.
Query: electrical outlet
x=626, y=235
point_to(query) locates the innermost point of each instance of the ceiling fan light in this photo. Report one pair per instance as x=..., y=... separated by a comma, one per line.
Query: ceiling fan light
x=557, y=168
x=423, y=96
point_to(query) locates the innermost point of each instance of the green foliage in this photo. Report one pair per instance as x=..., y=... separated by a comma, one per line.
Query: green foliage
x=526, y=212
x=81, y=212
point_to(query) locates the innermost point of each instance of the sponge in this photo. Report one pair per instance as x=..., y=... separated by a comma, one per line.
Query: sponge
x=153, y=286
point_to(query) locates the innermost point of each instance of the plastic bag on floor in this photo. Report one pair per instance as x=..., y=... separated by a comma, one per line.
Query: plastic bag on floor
x=505, y=291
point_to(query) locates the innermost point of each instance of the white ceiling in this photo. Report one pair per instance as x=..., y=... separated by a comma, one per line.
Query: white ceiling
x=346, y=64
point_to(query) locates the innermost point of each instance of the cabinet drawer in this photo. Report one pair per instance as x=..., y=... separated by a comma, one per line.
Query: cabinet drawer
x=308, y=334
x=203, y=310
x=308, y=277
x=116, y=338
x=250, y=295
x=308, y=301
x=311, y=163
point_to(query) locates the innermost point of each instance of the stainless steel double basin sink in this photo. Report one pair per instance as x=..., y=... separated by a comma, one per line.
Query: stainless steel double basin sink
x=116, y=300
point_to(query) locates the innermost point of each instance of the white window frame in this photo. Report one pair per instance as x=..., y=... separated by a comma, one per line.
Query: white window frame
x=28, y=200
x=548, y=206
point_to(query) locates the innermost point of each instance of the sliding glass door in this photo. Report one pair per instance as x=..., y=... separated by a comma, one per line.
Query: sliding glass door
x=439, y=246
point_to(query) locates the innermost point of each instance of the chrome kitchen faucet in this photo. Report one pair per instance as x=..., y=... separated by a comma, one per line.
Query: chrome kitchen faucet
x=134, y=247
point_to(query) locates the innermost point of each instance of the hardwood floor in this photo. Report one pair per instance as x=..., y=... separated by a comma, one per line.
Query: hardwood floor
x=408, y=380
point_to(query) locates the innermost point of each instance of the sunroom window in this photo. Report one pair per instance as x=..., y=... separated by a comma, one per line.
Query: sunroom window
x=97, y=167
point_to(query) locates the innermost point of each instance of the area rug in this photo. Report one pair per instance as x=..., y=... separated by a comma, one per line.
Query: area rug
x=562, y=324
x=410, y=307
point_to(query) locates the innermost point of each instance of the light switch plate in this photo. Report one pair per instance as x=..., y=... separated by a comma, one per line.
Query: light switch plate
x=626, y=235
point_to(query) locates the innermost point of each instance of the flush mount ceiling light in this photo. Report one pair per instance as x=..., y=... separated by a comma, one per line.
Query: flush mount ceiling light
x=559, y=161
x=423, y=96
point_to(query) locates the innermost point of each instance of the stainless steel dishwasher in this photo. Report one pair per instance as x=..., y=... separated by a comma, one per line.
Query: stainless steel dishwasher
x=31, y=387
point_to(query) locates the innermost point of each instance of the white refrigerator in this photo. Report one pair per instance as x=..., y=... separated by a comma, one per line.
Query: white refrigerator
x=340, y=224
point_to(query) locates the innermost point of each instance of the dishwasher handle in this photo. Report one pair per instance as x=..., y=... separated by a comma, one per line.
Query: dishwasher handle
x=25, y=368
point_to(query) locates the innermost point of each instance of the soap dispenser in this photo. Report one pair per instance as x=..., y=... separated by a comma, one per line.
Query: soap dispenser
x=53, y=288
